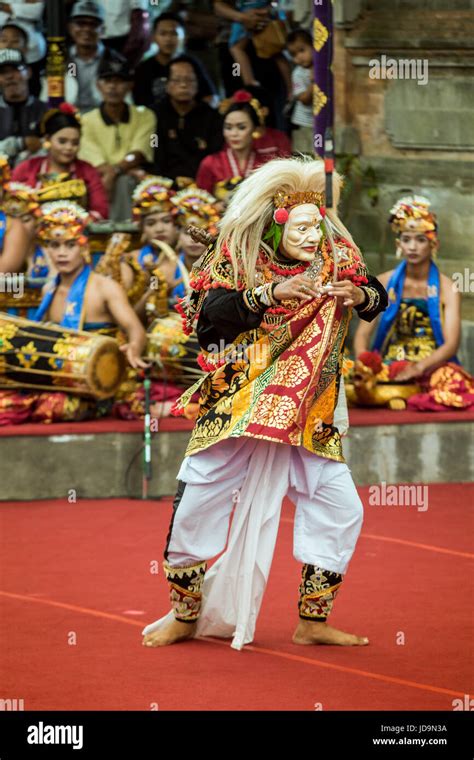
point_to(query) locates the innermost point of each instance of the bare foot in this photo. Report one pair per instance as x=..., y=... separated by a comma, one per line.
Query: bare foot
x=315, y=632
x=169, y=634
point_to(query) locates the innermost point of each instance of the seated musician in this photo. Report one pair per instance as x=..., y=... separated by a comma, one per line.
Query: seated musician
x=196, y=207
x=79, y=298
x=156, y=214
x=20, y=203
x=13, y=236
x=418, y=335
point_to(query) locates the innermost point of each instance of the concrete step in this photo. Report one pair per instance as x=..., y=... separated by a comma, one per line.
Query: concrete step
x=90, y=460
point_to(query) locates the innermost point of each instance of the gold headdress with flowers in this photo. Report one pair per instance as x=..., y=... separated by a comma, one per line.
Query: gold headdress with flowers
x=151, y=195
x=412, y=214
x=242, y=96
x=197, y=207
x=20, y=199
x=63, y=220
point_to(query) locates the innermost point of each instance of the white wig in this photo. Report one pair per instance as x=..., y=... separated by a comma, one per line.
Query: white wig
x=251, y=209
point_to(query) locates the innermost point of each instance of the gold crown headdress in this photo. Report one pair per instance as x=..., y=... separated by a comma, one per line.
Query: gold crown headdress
x=241, y=97
x=288, y=200
x=63, y=220
x=20, y=199
x=197, y=207
x=153, y=194
x=412, y=214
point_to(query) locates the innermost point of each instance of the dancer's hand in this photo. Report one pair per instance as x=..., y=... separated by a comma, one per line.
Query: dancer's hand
x=300, y=286
x=347, y=292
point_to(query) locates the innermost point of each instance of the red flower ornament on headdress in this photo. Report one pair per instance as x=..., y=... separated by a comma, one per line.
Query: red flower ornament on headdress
x=242, y=96
x=68, y=108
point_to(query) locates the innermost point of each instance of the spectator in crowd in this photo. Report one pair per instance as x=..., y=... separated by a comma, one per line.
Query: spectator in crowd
x=26, y=18
x=60, y=175
x=152, y=74
x=266, y=70
x=188, y=129
x=202, y=28
x=118, y=138
x=20, y=112
x=85, y=28
x=300, y=47
x=244, y=121
x=127, y=28
x=239, y=42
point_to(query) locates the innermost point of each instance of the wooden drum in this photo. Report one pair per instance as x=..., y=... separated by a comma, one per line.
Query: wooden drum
x=38, y=356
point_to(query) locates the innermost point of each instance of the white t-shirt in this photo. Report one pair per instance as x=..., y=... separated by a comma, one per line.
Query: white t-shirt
x=301, y=79
x=117, y=15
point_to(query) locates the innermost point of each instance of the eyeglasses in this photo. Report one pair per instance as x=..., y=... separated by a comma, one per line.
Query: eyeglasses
x=182, y=80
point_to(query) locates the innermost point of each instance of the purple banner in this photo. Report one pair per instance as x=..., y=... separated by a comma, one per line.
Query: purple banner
x=323, y=99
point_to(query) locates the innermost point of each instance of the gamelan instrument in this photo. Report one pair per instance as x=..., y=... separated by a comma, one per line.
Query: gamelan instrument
x=37, y=356
x=173, y=353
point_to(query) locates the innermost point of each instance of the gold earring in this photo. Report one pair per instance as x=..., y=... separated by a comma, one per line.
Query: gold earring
x=86, y=256
x=46, y=145
x=256, y=134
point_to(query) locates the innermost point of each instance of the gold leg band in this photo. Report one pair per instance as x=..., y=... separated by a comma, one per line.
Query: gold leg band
x=318, y=589
x=185, y=590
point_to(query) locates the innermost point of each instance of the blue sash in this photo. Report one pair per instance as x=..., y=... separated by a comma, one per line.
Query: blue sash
x=179, y=291
x=3, y=228
x=395, y=291
x=40, y=269
x=73, y=308
x=144, y=253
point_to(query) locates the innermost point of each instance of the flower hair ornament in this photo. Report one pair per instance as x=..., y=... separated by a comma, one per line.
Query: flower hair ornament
x=67, y=109
x=153, y=194
x=196, y=207
x=243, y=96
x=412, y=214
x=63, y=220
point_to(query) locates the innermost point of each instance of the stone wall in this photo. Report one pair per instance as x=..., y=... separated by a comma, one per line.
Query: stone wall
x=414, y=137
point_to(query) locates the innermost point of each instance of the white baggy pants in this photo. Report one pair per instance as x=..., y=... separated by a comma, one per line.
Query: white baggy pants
x=328, y=515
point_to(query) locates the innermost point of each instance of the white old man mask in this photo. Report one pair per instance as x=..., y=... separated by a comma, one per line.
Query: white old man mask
x=302, y=232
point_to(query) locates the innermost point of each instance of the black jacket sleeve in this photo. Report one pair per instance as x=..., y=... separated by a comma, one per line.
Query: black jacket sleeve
x=376, y=300
x=224, y=315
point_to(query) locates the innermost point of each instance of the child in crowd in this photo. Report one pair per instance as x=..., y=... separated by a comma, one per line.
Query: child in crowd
x=300, y=47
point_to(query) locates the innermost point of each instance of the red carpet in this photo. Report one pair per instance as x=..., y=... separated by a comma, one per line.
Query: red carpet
x=360, y=417
x=81, y=573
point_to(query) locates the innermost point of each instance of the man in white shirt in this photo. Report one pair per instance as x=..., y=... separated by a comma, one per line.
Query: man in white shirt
x=127, y=27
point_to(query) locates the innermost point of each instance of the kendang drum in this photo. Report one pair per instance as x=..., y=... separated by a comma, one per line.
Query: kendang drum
x=37, y=356
x=173, y=353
